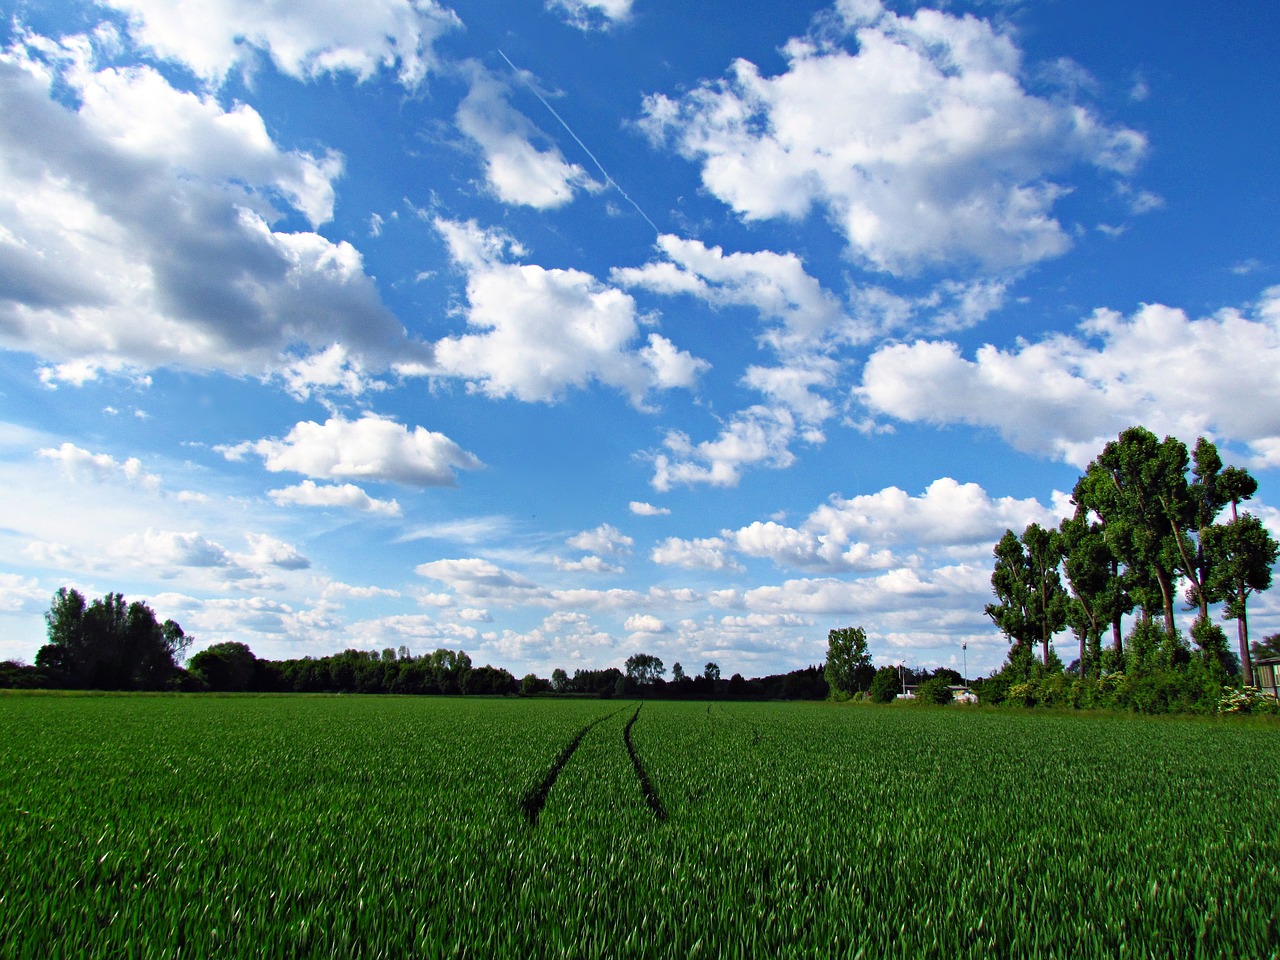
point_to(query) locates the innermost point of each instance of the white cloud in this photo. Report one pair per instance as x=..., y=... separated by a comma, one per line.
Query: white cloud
x=1065, y=396
x=516, y=170
x=474, y=577
x=267, y=551
x=921, y=145
x=345, y=591
x=346, y=495
x=644, y=623
x=794, y=387
x=173, y=548
x=138, y=230
x=371, y=448
x=305, y=41
x=946, y=514
x=708, y=553
x=541, y=331
x=79, y=463
x=592, y=14
x=588, y=564
x=774, y=284
x=758, y=435
x=330, y=370
x=19, y=594
x=479, y=579
x=605, y=538
x=642, y=509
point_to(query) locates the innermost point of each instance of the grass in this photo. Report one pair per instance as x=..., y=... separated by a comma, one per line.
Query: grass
x=385, y=826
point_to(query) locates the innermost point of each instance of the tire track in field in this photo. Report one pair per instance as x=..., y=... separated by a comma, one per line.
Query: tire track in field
x=646, y=786
x=534, y=799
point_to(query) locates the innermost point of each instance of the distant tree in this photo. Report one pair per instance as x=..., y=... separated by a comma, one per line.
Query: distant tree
x=1049, y=599
x=711, y=672
x=229, y=666
x=108, y=645
x=1025, y=579
x=1139, y=489
x=885, y=685
x=490, y=681
x=677, y=673
x=934, y=690
x=532, y=685
x=848, y=669
x=644, y=669
x=1266, y=649
x=559, y=680
x=1244, y=553
x=1098, y=595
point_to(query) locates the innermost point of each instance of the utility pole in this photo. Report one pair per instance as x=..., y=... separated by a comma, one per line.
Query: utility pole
x=964, y=648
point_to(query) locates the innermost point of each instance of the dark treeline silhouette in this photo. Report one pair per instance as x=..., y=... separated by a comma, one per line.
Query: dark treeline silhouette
x=108, y=645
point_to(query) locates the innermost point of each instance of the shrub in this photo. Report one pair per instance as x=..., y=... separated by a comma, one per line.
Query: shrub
x=934, y=691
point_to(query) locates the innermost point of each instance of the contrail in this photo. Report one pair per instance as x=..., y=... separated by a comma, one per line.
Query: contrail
x=609, y=181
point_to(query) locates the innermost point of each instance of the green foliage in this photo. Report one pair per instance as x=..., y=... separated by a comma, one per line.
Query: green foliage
x=1266, y=649
x=848, y=668
x=531, y=685
x=644, y=669
x=226, y=666
x=106, y=645
x=934, y=691
x=885, y=685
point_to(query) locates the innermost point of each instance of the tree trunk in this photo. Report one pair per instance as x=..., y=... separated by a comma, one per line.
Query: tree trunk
x=1117, y=637
x=1242, y=631
x=1166, y=595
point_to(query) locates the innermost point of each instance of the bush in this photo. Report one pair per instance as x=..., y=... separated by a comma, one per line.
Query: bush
x=884, y=685
x=1248, y=700
x=934, y=691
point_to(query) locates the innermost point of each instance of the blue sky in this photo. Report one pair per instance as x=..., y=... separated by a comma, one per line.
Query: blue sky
x=560, y=331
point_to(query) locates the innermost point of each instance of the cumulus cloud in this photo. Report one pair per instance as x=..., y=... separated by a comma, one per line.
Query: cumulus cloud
x=707, y=553
x=138, y=229
x=588, y=564
x=267, y=551
x=539, y=331
x=478, y=579
x=516, y=170
x=919, y=142
x=304, y=41
x=605, y=538
x=861, y=533
x=644, y=623
x=774, y=284
x=19, y=594
x=1064, y=396
x=174, y=548
x=346, y=495
x=371, y=448
x=345, y=591
x=79, y=463
x=759, y=435
x=592, y=14
x=643, y=509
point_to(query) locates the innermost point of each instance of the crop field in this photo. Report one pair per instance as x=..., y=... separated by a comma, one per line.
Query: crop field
x=387, y=827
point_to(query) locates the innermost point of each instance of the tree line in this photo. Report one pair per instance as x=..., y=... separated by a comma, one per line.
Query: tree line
x=106, y=644
x=1153, y=524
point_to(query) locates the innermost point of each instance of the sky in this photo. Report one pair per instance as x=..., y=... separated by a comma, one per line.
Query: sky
x=561, y=331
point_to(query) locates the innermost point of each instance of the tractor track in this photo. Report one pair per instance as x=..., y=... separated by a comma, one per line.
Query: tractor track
x=534, y=799
x=646, y=785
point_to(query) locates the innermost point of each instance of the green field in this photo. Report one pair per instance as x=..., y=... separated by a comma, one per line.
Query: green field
x=384, y=827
